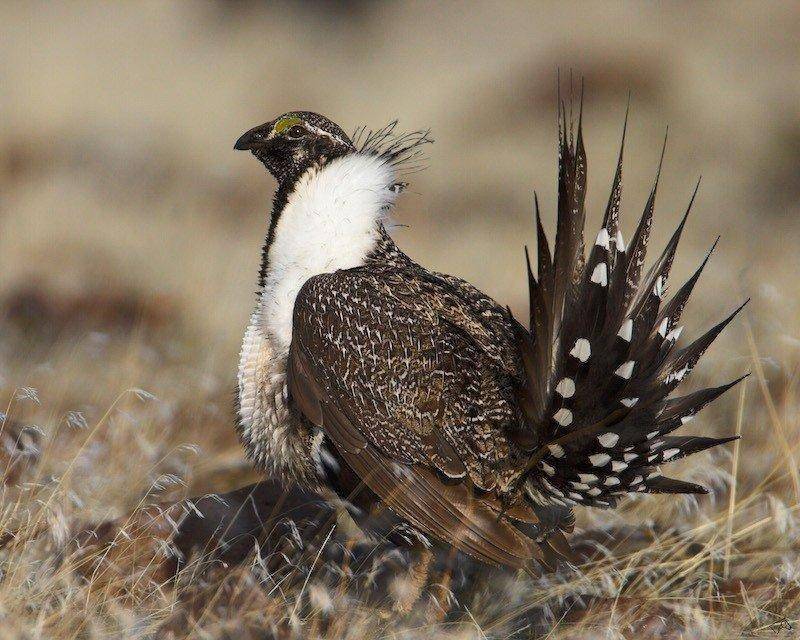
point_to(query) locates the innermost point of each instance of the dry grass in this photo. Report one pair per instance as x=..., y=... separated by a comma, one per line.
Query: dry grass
x=720, y=567
x=129, y=239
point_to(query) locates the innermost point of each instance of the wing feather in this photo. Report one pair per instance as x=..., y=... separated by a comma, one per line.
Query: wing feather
x=450, y=512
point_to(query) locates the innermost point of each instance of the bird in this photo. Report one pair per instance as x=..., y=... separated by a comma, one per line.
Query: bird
x=412, y=393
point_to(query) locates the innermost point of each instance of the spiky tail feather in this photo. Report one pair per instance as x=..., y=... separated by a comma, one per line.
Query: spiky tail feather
x=600, y=352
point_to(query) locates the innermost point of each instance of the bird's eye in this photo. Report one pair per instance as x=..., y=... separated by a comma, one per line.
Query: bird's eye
x=296, y=131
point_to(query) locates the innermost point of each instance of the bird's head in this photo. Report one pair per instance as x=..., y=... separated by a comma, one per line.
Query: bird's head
x=295, y=141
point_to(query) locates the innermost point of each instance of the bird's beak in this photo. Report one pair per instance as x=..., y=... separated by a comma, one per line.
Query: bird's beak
x=253, y=139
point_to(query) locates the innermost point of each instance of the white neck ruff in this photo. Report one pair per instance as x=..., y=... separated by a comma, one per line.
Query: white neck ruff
x=330, y=222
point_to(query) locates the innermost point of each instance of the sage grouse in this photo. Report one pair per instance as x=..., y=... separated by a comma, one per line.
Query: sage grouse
x=365, y=373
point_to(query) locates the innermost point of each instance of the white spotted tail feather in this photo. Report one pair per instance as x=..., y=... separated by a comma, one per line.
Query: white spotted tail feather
x=601, y=355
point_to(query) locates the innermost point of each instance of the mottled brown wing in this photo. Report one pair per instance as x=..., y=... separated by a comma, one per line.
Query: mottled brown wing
x=449, y=512
x=385, y=384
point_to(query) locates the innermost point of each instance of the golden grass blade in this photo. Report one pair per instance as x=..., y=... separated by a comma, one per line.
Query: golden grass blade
x=726, y=571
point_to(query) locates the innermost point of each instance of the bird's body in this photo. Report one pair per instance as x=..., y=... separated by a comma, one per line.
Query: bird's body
x=364, y=372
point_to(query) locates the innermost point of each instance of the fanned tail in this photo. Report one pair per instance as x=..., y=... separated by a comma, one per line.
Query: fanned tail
x=600, y=352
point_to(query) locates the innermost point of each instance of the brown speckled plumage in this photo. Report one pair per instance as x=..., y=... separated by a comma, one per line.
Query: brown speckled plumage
x=415, y=361
x=397, y=386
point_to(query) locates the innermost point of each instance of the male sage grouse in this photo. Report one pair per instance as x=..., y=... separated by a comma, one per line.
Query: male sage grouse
x=365, y=373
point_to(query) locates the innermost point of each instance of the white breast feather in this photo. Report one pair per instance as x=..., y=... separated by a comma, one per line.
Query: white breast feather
x=330, y=222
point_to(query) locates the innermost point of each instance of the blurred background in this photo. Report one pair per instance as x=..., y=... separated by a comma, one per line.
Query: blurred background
x=130, y=235
x=130, y=230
